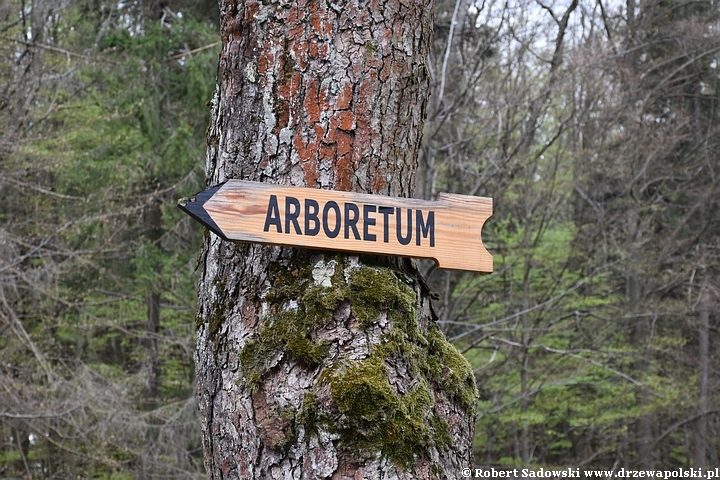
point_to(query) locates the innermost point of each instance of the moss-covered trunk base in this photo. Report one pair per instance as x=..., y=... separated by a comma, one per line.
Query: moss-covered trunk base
x=346, y=371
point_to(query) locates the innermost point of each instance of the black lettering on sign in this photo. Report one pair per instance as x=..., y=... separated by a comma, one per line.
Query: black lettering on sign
x=311, y=215
x=292, y=214
x=385, y=212
x=368, y=221
x=403, y=240
x=331, y=205
x=351, y=221
x=272, y=217
x=425, y=228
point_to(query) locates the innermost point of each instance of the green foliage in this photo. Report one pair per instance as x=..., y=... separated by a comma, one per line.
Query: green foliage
x=114, y=133
x=585, y=341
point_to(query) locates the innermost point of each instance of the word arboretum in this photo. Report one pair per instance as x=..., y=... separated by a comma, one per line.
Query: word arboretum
x=354, y=221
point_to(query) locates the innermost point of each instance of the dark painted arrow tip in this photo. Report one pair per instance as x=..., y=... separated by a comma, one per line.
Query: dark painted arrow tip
x=193, y=206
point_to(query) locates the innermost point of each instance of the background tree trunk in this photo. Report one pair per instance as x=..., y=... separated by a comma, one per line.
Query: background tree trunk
x=701, y=431
x=316, y=365
x=153, y=233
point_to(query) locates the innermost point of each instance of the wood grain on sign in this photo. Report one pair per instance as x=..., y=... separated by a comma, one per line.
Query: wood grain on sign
x=447, y=230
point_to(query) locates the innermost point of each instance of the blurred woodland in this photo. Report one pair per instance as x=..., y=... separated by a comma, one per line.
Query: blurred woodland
x=591, y=124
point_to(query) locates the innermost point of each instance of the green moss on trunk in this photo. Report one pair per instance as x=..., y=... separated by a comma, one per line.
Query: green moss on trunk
x=375, y=418
x=368, y=414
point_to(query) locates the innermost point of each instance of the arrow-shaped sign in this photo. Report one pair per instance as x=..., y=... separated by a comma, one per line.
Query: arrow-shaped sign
x=447, y=230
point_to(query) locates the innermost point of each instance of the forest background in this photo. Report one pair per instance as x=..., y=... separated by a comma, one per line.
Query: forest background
x=593, y=125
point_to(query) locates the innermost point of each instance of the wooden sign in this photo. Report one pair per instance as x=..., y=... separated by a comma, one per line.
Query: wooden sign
x=447, y=230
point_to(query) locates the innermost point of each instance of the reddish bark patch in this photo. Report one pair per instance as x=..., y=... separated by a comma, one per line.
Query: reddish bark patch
x=270, y=426
x=251, y=8
x=379, y=182
x=231, y=31
x=344, y=97
x=300, y=49
x=344, y=170
x=265, y=63
x=282, y=112
x=307, y=146
x=293, y=18
x=344, y=143
x=311, y=104
x=317, y=23
x=314, y=50
x=384, y=73
x=343, y=121
x=348, y=468
x=327, y=151
x=311, y=174
x=249, y=316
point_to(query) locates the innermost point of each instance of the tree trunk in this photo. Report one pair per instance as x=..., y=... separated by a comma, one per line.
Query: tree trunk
x=153, y=233
x=309, y=364
x=701, y=432
x=153, y=353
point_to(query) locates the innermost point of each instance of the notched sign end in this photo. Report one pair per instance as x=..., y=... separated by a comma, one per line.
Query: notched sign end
x=471, y=212
x=480, y=261
x=194, y=206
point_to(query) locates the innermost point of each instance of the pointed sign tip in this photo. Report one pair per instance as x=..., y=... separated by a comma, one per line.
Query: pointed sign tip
x=194, y=206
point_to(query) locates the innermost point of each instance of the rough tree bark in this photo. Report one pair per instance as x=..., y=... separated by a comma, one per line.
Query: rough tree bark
x=312, y=364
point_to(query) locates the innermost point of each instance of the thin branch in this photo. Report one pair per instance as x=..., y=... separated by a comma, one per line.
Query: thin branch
x=8, y=26
x=35, y=416
x=604, y=367
x=190, y=52
x=20, y=183
x=682, y=67
x=45, y=47
x=52, y=49
x=680, y=423
x=529, y=309
x=20, y=331
x=607, y=26
x=447, y=51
